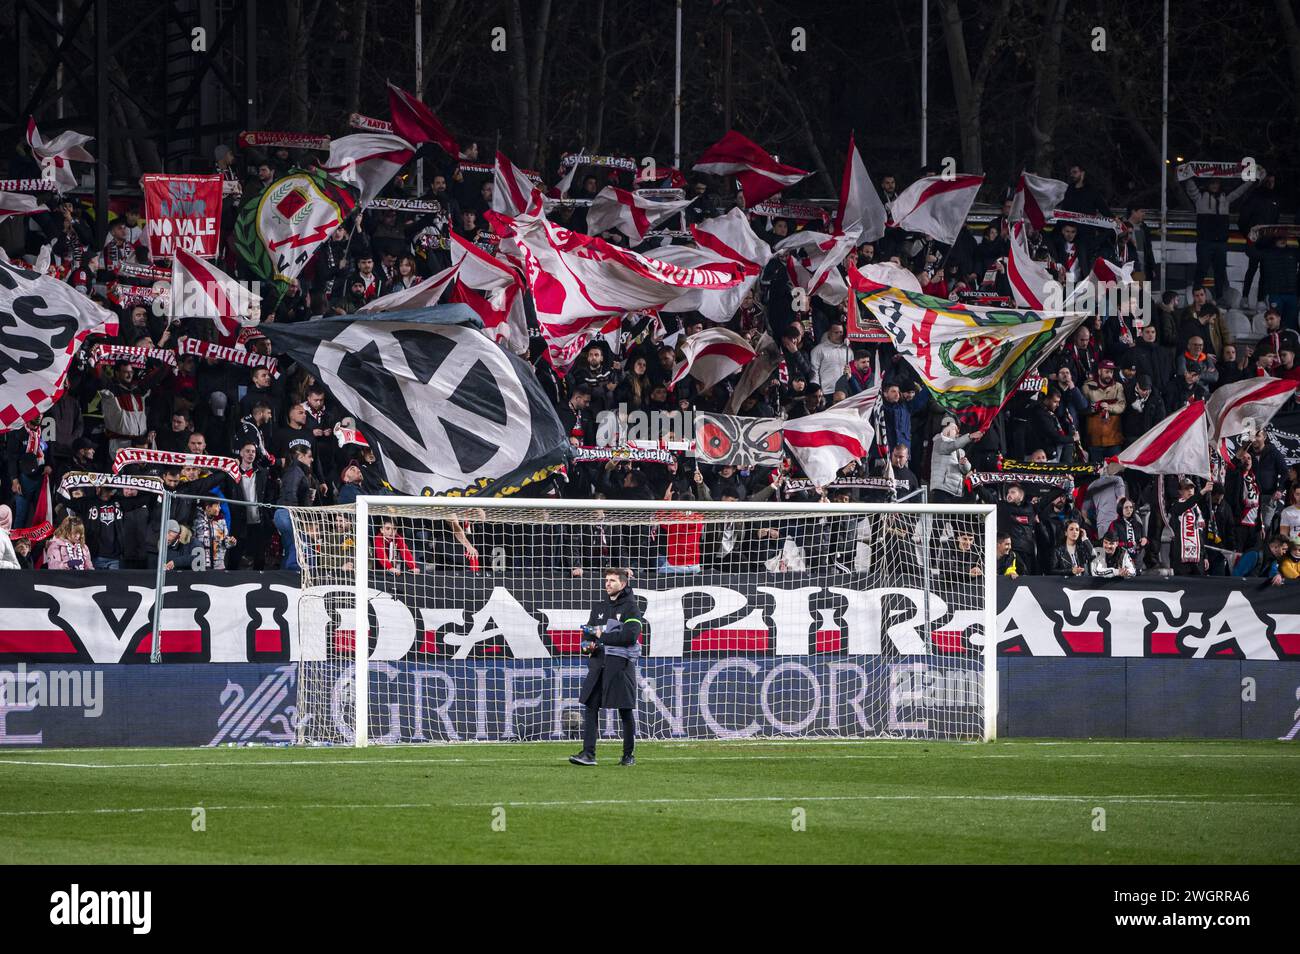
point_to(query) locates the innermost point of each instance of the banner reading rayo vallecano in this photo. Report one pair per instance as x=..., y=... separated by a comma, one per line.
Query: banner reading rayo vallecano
x=64, y=616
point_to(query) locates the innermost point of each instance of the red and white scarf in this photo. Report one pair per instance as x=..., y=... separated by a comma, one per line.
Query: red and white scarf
x=1190, y=525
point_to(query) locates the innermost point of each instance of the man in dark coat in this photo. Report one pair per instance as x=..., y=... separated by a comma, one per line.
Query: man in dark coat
x=611, y=643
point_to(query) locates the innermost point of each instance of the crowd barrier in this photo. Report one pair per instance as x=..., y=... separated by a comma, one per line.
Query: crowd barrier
x=1146, y=658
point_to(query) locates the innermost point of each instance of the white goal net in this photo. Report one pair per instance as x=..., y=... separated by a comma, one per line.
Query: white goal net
x=832, y=620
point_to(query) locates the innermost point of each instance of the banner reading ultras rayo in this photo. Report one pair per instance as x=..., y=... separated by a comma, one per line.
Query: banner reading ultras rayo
x=971, y=358
x=182, y=212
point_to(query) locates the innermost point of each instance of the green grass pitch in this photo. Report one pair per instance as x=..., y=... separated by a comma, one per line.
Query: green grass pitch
x=861, y=802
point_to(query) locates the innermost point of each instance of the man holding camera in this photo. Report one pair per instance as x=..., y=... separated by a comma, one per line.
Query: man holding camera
x=610, y=640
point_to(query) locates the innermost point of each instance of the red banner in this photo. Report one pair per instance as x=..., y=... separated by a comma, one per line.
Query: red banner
x=182, y=211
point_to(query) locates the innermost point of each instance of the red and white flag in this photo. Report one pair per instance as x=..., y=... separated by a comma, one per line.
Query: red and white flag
x=1245, y=405
x=860, y=205
x=826, y=441
x=936, y=206
x=494, y=290
x=1180, y=444
x=46, y=321
x=415, y=122
x=711, y=355
x=512, y=190
x=630, y=213
x=578, y=281
x=200, y=290
x=813, y=266
x=761, y=176
x=368, y=161
x=721, y=239
x=1036, y=198
x=425, y=294
x=1029, y=279
x=57, y=155
x=15, y=203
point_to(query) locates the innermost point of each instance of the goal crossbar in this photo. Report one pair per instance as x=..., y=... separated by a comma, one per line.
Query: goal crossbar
x=369, y=508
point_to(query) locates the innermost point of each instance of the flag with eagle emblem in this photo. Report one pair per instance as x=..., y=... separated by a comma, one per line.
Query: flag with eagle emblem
x=970, y=357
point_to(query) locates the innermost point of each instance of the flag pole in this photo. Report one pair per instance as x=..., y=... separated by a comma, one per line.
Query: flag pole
x=677, y=94
x=1164, y=158
x=925, y=77
x=419, y=84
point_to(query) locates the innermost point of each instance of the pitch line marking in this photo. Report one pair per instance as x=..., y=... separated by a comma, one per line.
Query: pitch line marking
x=1183, y=800
x=539, y=759
x=1086, y=799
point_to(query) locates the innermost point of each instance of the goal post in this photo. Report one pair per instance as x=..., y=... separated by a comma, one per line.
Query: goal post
x=432, y=619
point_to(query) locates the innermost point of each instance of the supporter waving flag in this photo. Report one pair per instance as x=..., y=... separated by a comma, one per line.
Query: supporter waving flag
x=724, y=238
x=12, y=203
x=57, y=155
x=970, y=358
x=578, y=281
x=1036, y=199
x=860, y=207
x=936, y=205
x=415, y=122
x=1180, y=444
x=44, y=322
x=630, y=213
x=512, y=191
x=760, y=176
x=368, y=161
x=713, y=355
x=446, y=410
x=200, y=290
x=279, y=232
x=826, y=441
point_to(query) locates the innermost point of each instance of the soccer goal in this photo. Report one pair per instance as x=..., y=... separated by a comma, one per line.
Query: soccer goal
x=445, y=619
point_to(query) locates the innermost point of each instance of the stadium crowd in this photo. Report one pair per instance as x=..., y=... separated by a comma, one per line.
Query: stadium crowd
x=1111, y=383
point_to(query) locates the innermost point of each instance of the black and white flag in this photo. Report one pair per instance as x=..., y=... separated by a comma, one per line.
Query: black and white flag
x=43, y=322
x=446, y=410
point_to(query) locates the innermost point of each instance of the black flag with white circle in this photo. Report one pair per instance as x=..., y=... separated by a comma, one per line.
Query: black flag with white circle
x=446, y=410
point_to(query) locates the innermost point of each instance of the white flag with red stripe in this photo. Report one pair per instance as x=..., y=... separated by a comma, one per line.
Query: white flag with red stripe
x=368, y=161
x=711, y=355
x=860, y=206
x=13, y=203
x=761, y=176
x=813, y=266
x=1107, y=272
x=494, y=290
x=936, y=206
x=1036, y=198
x=826, y=441
x=1246, y=405
x=415, y=122
x=512, y=190
x=57, y=155
x=424, y=294
x=201, y=290
x=578, y=281
x=724, y=238
x=1029, y=279
x=629, y=212
x=1180, y=444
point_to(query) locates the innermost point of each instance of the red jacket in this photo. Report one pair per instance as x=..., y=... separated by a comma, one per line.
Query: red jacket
x=400, y=552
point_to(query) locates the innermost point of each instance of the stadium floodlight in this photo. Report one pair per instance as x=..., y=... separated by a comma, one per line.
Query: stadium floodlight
x=431, y=619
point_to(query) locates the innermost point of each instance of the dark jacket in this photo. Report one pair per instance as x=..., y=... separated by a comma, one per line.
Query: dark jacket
x=610, y=682
x=1061, y=564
